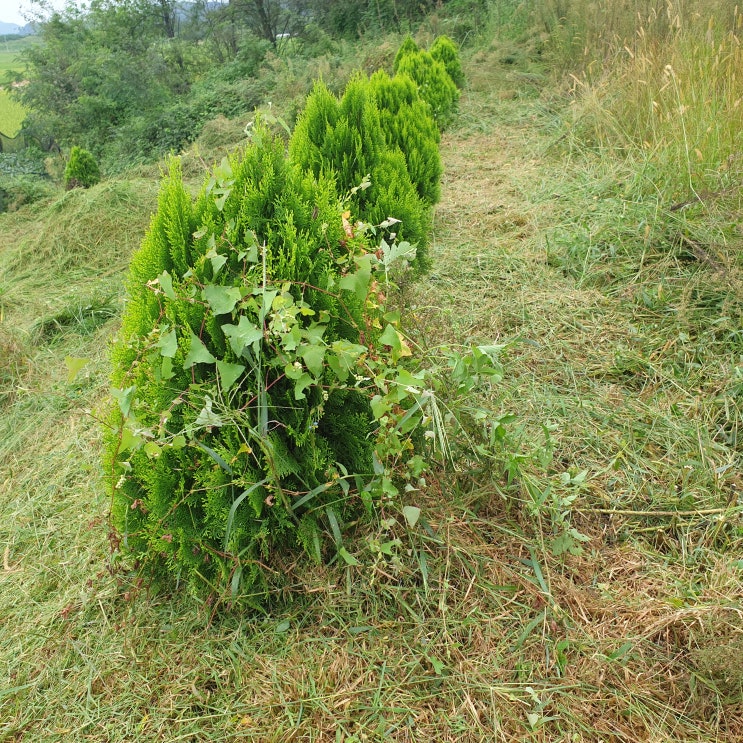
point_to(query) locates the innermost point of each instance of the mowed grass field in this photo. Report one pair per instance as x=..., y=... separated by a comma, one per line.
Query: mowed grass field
x=620, y=317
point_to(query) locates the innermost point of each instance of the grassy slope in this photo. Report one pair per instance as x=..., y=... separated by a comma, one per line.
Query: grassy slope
x=505, y=642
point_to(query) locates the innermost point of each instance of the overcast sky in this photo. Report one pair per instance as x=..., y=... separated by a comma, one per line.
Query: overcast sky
x=11, y=11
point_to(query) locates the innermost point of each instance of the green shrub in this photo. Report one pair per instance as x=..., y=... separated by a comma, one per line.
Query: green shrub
x=446, y=51
x=235, y=426
x=408, y=124
x=23, y=190
x=407, y=47
x=434, y=84
x=82, y=169
x=345, y=140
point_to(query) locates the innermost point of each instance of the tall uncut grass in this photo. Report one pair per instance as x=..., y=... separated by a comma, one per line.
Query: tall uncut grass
x=662, y=79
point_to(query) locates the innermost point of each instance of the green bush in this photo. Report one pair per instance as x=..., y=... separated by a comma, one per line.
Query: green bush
x=22, y=190
x=407, y=47
x=434, y=84
x=82, y=169
x=237, y=417
x=408, y=124
x=446, y=51
x=345, y=140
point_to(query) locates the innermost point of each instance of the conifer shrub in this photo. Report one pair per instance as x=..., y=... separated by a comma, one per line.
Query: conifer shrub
x=82, y=169
x=408, y=124
x=237, y=420
x=345, y=140
x=434, y=84
x=407, y=47
x=446, y=51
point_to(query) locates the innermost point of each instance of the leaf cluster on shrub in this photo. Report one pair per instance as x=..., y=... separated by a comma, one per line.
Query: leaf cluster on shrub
x=265, y=395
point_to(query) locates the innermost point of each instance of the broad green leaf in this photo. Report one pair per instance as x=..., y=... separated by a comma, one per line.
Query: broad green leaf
x=396, y=252
x=241, y=335
x=130, y=441
x=166, y=369
x=392, y=338
x=313, y=357
x=268, y=295
x=411, y=514
x=379, y=406
x=198, y=353
x=301, y=385
x=179, y=441
x=217, y=262
x=229, y=373
x=292, y=371
x=74, y=366
x=358, y=282
x=207, y=417
x=282, y=627
x=166, y=284
x=125, y=398
x=406, y=379
x=222, y=299
x=168, y=344
x=152, y=450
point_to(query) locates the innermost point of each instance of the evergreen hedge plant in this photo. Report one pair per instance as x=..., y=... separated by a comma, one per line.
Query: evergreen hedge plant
x=238, y=418
x=434, y=84
x=345, y=140
x=407, y=47
x=82, y=169
x=446, y=51
x=408, y=124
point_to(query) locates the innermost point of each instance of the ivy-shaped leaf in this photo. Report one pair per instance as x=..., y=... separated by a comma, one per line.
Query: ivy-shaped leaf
x=358, y=282
x=229, y=373
x=241, y=335
x=304, y=381
x=313, y=357
x=207, y=417
x=198, y=353
x=168, y=344
x=222, y=299
x=166, y=284
x=125, y=399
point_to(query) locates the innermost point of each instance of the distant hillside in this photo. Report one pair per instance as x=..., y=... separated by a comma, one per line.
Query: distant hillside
x=8, y=29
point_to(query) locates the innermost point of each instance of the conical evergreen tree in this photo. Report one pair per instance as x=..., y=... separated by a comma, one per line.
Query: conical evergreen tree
x=446, y=51
x=434, y=84
x=215, y=435
x=408, y=124
x=345, y=139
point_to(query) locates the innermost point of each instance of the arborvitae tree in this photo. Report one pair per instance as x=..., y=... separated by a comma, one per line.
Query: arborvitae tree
x=446, y=51
x=408, y=124
x=233, y=433
x=434, y=84
x=344, y=139
x=81, y=170
x=408, y=46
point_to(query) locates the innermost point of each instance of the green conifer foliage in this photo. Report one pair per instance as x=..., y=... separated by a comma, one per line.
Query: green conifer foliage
x=345, y=140
x=446, y=51
x=81, y=170
x=222, y=453
x=434, y=84
x=408, y=46
x=408, y=124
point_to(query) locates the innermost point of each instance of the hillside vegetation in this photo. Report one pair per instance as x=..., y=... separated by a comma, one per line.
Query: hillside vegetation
x=581, y=582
